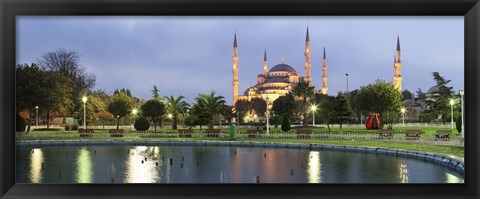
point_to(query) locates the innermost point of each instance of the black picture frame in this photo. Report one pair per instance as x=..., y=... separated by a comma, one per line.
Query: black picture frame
x=470, y=9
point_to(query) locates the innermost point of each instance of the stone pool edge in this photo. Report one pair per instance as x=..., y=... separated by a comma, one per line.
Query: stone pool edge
x=450, y=161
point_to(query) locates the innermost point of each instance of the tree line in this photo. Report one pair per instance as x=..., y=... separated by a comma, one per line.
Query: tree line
x=57, y=82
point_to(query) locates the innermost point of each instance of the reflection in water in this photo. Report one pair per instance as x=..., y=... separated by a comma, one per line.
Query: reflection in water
x=205, y=164
x=84, y=166
x=403, y=173
x=139, y=170
x=453, y=179
x=36, y=160
x=314, y=167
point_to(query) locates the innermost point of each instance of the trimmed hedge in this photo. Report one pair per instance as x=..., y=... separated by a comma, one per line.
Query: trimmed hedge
x=141, y=124
x=286, y=123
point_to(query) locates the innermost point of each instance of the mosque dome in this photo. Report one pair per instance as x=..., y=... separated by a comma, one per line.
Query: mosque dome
x=277, y=80
x=282, y=68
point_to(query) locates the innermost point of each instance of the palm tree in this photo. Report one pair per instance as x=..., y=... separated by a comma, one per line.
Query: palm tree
x=212, y=106
x=176, y=106
x=303, y=89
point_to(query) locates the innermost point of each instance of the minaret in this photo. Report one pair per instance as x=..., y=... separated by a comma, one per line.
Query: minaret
x=308, y=65
x=397, y=66
x=235, y=70
x=324, y=69
x=265, y=69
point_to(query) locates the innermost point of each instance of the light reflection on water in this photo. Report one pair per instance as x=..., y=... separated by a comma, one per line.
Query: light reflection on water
x=36, y=160
x=84, y=166
x=314, y=167
x=141, y=170
x=209, y=164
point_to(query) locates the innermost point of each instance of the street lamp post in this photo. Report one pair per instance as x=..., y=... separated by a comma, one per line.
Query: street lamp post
x=268, y=113
x=36, y=117
x=461, y=101
x=403, y=116
x=313, y=108
x=451, y=105
x=134, y=112
x=84, y=99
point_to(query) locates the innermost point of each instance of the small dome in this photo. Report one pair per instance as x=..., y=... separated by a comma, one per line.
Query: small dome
x=283, y=67
x=261, y=75
x=433, y=89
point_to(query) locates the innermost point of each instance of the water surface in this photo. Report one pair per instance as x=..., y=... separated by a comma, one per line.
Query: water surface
x=211, y=164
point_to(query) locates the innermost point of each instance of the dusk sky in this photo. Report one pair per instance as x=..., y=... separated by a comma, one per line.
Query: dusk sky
x=191, y=55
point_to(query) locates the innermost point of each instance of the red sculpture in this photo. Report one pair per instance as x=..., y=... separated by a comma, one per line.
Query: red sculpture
x=373, y=121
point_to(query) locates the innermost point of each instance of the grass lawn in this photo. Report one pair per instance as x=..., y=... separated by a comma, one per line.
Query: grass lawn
x=102, y=135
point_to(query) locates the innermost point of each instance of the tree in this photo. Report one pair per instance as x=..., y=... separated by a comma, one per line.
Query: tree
x=341, y=112
x=379, y=97
x=303, y=89
x=28, y=80
x=212, y=106
x=390, y=117
x=421, y=95
x=56, y=91
x=199, y=115
x=155, y=92
x=153, y=109
x=120, y=105
x=20, y=123
x=275, y=120
x=176, y=106
x=439, y=104
x=191, y=121
x=242, y=107
x=66, y=63
x=104, y=117
x=285, y=105
x=286, y=123
x=123, y=90
x=354, y=104
x=259, y=105
x=326, y=105
x=47, y=90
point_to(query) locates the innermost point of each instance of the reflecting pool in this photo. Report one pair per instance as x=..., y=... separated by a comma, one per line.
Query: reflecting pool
x=212, y=164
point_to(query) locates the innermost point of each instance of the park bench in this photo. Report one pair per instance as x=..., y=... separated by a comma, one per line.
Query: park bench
x=443, y=134
x=254, y=133
x=213, y=133
x=185, y=133
x=386, y=133
x=115, y=132
x=303, y=133
x=413, y=134
x=85, y=132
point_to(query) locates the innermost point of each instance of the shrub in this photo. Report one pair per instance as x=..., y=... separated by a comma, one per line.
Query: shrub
x=286, y=123
x=141, y=124
x=458, y=124
x=275, y=120
x=72, y=127
x=20, y=124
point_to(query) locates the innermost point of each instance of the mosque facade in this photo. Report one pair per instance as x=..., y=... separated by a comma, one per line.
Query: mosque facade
x=282, y=78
